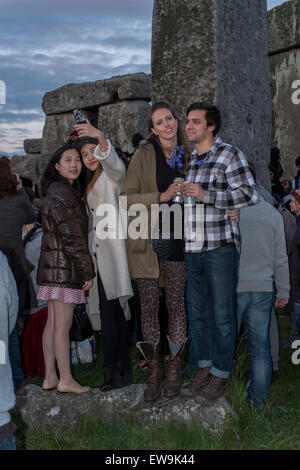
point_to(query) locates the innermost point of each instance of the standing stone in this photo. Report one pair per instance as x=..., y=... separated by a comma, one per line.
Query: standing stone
x=216, y=51
x=284, y=57
x=120, y=121
x=32, y=146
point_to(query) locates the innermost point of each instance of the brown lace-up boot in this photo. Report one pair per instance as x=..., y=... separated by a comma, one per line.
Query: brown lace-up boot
x=202, y=379
x=175, y=363
x=216, y=388
x=152, y=355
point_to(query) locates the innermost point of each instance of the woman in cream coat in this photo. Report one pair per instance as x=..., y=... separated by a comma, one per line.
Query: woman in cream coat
x=105, y=174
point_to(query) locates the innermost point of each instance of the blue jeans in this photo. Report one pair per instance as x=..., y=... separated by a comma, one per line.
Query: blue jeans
x=254, y=311
x=211, y=300
x=15, y=358
x=297, y=315
x=8, y=443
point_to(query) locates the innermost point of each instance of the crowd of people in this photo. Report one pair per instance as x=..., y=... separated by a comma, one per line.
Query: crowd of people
x=236, y=259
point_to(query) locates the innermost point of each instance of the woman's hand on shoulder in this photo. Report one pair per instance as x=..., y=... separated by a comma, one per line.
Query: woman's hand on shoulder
x=233, y=215
x=87, y=285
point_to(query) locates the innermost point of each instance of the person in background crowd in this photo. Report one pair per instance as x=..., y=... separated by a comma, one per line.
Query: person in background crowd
x=219, y=177
x=8, y=316
x=263, y=266
x=31, y=340
x=296, y=180
x=16, y=211
x=65, y=269
x=32, y=192
x=135, y=140
x=105, y=172
x=295, y=262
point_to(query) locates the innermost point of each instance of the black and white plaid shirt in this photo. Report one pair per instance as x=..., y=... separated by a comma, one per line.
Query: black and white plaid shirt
x=228, y=184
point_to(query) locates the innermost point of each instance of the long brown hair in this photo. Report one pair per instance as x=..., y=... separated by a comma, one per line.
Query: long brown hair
x=181, y=140
x=88, y=177
x=8, y=181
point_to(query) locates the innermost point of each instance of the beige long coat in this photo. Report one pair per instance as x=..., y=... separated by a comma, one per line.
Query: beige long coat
x=140, y=187
x=111, y=252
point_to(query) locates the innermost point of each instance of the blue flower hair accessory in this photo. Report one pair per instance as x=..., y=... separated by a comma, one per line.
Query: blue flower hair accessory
x=176, y=157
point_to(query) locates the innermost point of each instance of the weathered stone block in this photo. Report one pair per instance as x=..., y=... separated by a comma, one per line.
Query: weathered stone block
x=284, y=26
x=285, y=70
x=120, y=121
x=58, y=411
x=216, y=50
x=31, y=166
x=32, y=146
x=284, y=49
x=94, y=94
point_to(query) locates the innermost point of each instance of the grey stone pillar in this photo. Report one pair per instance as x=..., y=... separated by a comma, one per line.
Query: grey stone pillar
x=284, y=56
x=216, y=50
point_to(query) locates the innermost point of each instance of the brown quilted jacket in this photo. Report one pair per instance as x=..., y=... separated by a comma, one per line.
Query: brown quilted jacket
x=65, y=260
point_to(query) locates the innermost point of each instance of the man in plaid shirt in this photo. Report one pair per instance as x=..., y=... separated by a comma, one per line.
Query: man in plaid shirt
x=219, y=178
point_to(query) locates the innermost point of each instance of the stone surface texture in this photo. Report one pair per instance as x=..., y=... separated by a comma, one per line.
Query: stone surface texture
x=121, y=120
x=60, y=411
x=32, y=146
x=284, y=26
x=91, y=94
x=216, y=50
x=32, y=166
x=284, y=33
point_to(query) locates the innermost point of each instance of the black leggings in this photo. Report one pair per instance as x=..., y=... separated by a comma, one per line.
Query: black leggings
x=114, y=330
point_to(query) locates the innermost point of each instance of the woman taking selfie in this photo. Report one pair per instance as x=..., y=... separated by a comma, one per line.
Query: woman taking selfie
x=150, y=180
x=65, y=269
x=104, y=175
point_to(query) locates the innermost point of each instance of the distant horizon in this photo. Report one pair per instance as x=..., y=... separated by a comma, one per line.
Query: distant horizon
x=65, y=42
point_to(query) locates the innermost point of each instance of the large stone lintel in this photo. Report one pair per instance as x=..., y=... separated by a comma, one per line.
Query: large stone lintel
x=94, y=94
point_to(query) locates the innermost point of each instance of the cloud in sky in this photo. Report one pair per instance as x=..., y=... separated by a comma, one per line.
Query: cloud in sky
x=44, y=45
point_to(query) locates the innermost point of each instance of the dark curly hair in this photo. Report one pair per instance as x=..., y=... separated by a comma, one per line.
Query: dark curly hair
x=8, y=181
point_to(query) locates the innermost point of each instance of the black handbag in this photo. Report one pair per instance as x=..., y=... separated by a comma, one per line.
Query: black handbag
x=163, y=247
x=81, y=328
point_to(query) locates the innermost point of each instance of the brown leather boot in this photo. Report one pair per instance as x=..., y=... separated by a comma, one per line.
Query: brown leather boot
x=200, y=381
x=175, y=363
x=152, y=355
x=216, y=388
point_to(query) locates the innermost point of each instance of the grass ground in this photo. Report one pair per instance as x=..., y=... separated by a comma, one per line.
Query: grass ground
x=275, y=427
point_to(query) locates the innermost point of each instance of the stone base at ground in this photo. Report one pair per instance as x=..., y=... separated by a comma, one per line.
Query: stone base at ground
x=51, y=409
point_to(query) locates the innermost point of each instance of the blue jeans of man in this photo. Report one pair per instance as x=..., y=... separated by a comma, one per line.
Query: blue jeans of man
x=211, y=298
x=254, y=311
x=8, y=443
x=15, y=358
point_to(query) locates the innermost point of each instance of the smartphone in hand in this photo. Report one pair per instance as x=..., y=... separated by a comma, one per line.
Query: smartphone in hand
x=79, y=116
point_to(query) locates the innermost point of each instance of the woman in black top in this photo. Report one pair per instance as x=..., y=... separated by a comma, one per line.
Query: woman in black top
x=150, y=177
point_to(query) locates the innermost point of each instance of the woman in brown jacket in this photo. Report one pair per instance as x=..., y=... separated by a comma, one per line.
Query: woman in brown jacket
x=65, y=268
x=150, y=180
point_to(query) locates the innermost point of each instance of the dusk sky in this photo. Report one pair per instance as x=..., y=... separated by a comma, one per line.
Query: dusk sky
x=44, y=45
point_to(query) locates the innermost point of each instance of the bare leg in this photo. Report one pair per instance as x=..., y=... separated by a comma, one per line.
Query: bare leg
x=63, y=320
x=51, y=379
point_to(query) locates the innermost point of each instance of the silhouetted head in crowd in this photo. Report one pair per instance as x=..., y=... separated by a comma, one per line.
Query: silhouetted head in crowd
x=8, y=180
